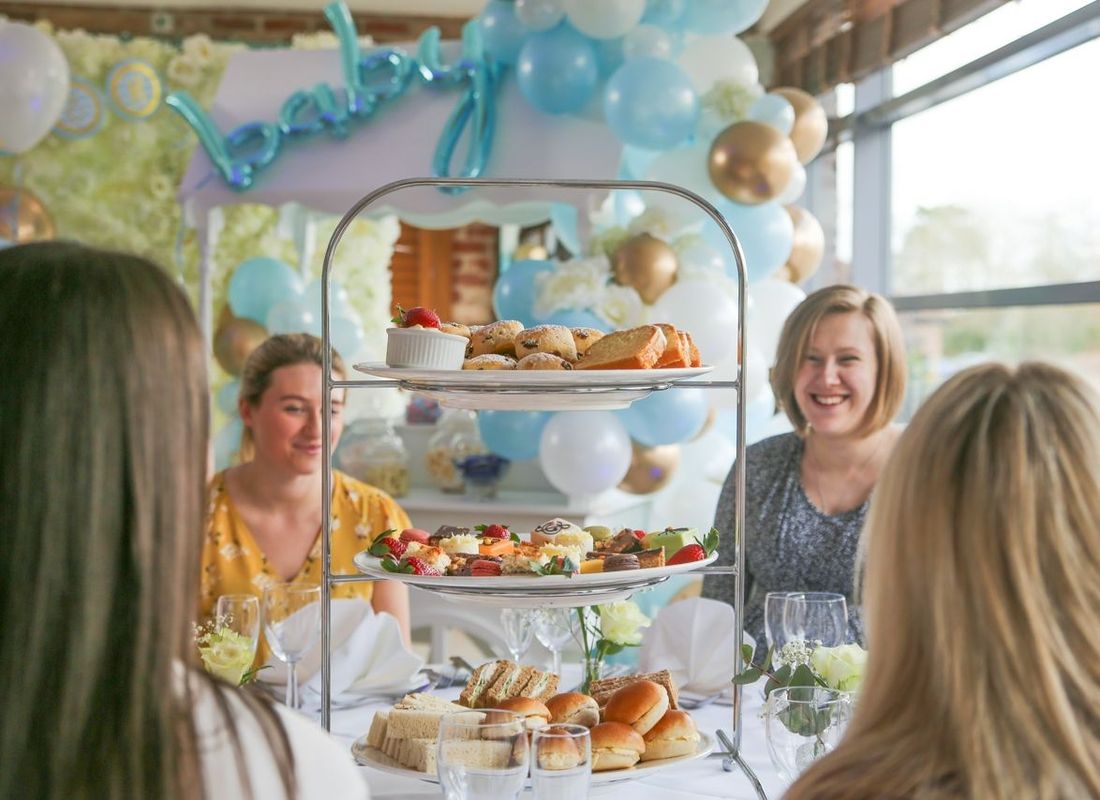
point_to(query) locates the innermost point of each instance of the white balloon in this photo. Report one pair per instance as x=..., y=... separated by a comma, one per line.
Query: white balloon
x=772, y=302
x=584, y=452
x=686, y=167
x=539, y=15
x=686, y=504
x=756, y=379
x=647, y=41
x=718, y=58
x=795, y=186
x=34, y=86
x=606, y=19
x=703, y=309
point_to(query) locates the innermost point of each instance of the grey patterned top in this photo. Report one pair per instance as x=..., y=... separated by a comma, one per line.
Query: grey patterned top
x=789, y=544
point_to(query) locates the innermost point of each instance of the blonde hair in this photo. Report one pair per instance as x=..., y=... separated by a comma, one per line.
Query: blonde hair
x=283, y=350
x=982, y=553
x=799, y=329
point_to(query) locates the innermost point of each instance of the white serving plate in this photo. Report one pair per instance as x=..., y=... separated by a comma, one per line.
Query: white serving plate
x=367, y=756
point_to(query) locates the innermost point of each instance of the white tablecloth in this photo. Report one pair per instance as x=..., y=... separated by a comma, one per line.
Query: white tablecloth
x=702, y=778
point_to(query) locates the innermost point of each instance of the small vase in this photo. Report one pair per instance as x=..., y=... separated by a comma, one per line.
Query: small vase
x=801, y=724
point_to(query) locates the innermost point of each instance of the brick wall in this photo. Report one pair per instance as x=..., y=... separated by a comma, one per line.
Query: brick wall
x=474, y=258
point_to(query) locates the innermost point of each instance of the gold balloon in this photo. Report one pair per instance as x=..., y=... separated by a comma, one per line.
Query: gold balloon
x=530, y=250
x=234, y=341
x=809, y=245
x=708, y=423
x=23, y=217
x=647, y=264
x=811, y=124
x=650, y=468
x=784, y=274
x=751, y=163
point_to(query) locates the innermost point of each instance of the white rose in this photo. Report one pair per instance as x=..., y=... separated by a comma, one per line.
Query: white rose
x=622, y=622
x=228, y=655
x=841, y=667
x=621, y=306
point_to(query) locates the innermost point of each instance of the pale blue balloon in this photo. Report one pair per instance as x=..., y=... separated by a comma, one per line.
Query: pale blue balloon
x=339, y=302
x=766, y=233
x=667, y=417
x=609, y=55
x=651, y=103
x=512, y=434
x=711, y=17
x=346, y=335
x=501, y=31
x=259, y=284
x=515, y=290
x=574, y=318
x=635, y=161
x=664, y=13
x=564, y=219
x=227, y=443
x=292, y=316
x=227, y=396
x=775, y=110
x=648, y=41
x=556, y=70
x=539, y=15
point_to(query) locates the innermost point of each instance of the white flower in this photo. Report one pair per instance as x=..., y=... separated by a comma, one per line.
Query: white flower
x=199, y=48
x=226, y=654
x=184, y=71
x=622, y=622
x=573, y=284
x=725, y=103
x=656, y=222
x=841, y=667
x=621, y=306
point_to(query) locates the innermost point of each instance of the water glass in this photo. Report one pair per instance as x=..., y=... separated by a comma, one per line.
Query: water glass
x=482, y=755
x=518, y=625
x=817, y=617
x=776, y=609
x=240, y=613
x=561, y=762
x=554, y=628
x=803, y=723
x=292, y=624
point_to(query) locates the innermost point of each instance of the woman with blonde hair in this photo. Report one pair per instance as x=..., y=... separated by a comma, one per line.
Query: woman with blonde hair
x=104, y=423
x=840, y=377
x=982, y=589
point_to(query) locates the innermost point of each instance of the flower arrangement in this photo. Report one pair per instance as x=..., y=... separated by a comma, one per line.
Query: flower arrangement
x=606, y=630
x=225, y=653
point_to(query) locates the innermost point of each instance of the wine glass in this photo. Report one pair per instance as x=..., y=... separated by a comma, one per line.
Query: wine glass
x=817, y=618
x=240, y=613
x=519, y=628
x=561, y=762
x=482, y=755
x=554, y=628
x=292, y=623
x=776, y=609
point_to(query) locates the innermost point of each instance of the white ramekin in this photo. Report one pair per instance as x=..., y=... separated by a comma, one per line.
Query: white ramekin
x=424, y=348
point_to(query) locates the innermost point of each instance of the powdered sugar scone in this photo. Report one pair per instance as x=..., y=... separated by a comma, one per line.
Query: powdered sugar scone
x=556, y=339
x=456, y=328
x=489, y=361
x=583, y=338
x=543, y=361
x=496, y=337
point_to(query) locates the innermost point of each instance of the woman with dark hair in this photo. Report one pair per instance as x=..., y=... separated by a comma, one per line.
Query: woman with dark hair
x=104, y=423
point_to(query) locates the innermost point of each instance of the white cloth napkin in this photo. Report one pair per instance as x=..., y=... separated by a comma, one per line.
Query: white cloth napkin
x=695, y=640
x=368, y=655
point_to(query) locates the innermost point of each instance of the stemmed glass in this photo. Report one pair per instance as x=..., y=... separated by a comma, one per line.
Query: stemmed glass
x=561, y=762
x=776, y=605
x=554, y=628
x=240, y=613
x=482, y=755
x=817, y=617
x=519, y=628
x=292, y=623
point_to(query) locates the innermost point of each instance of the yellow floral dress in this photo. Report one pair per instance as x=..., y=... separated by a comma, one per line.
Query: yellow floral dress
x=232, y=562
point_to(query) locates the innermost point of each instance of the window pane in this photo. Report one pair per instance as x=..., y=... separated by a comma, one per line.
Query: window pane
x=996, y=188
x=941, y=343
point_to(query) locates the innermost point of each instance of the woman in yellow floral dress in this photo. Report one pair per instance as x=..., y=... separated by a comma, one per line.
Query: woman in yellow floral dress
x=264, y=517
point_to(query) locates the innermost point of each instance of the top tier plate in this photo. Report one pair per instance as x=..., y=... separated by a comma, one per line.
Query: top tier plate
x=534, y=390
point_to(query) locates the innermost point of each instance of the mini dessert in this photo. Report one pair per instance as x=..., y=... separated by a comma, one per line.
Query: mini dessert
x=622, y=542
x=489, y=361
x=415, y=535
x=640, y=704
x=558, y=752
x=591, y=565
x=673, y=735
x=580, y=539
x=548, y=531
x=496, y=337
x=543, y=361
x=562, y=551
x=620, y=561
x=496, y=547
x=615, y=746
x=534, y=713
x=418, y=341
x=584, y=338
x=551, y=339
x=636, y=348
x=447, y=531
x=649, y=559
x=599, y=532
x=430, y=555
x=670, y=539
x=485, y=568
x=465, y=543
x=573, y=708
x=519, y=563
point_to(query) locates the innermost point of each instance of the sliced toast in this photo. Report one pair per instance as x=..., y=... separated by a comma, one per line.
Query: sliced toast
x=636, y=348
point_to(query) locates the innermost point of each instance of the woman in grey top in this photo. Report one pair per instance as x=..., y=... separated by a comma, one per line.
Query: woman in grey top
x=839, y=377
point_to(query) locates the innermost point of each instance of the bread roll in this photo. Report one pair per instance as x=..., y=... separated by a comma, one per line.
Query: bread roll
x=573, y=708
x=558, y=752
x=673, y=735
x=535, y=714
x=615, y=746
x=639, y=705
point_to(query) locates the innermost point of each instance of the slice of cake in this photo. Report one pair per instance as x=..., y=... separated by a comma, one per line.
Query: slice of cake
x=636, y=348
x=670, y=539
x=675, y=353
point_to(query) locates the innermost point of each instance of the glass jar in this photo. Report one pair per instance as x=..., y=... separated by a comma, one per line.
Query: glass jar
x=373, y=452
x=456, y=438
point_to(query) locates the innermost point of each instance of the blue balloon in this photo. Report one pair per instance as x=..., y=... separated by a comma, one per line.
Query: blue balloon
x=609, y=55
x=339, y=303
x=634, y=162
x=557, y=71
x=563, y=219
x=651, y=103
x=259, y=284
x=227, y=443
x=512, y=434
x=346, y=336
x=765, y=231
x=515, y=290
x=227, y=396
x=667, y=417
x=502, y=31
x=574, y=318
x=710, y=17
x=775, y=110
x=664, y=13
x=292, y=316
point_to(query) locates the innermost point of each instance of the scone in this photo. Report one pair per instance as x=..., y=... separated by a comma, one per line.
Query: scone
x=584, y=338
x=455, y=328
x=555, y=339
x=496, y=337
x=489, y=361
x=543, y=361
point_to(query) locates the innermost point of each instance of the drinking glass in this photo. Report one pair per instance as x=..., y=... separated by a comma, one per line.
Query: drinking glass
x=776, y=609
x=292, y=623
x=554, y=628
x=519, y=629
x=803, y=723
x=561, y=762
x=817, y=618
x=482, y=755
x=241, y=614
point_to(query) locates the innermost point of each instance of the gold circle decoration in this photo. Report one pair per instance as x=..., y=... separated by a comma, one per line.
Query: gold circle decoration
x=646, y=263
x=234, y=341
x=751, y=163
x=134, y=88
x=23, y=217
x=811, y=124
x=651, y=468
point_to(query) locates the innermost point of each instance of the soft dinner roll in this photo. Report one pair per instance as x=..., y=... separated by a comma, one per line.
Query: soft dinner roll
x=558, y=752
x=639, y=705
x=673, y=735
x=573, y=708
x=615, y=746
x=535, y=713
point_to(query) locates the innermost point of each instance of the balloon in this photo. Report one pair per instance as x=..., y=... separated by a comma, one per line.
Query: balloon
x=512, y=434
x=292, y=316
x=686, y=167
x=35, y=85
x=606, y=19
x=227, y=396
x=584, y=452
x=687, y=503
x=650, y=103
x=795, y=186
x=259, y=284
x=755, y=377
x=751, y=162
x=346, y=335
x=701, y=257
x=774, y=110
x=772, y=302
x=668, y=417
x=501, y=31
x=663, y=13
x=647, y=41
x=811, y=125
x=227, y=443
x=708, y=313
x=573, y=318
x=339, y=302
x=710, y=59
x=809, y=245
x=765, y=232
x=515, y=289
x=23, y=217
x=651, y=468
x=556, y=70
x=234, y=341
x=609, y=57
x=711, y=17
x=539, y=15
x=647, y=264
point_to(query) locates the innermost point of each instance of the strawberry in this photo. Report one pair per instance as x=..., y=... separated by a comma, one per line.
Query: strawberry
x=639, y=534
x=388, y=545
x=687, y=554
x=418, y=566
x=494, y=531
x=418, y=315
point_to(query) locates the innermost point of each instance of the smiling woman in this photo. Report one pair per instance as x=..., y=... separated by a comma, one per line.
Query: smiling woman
x=840, y=377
